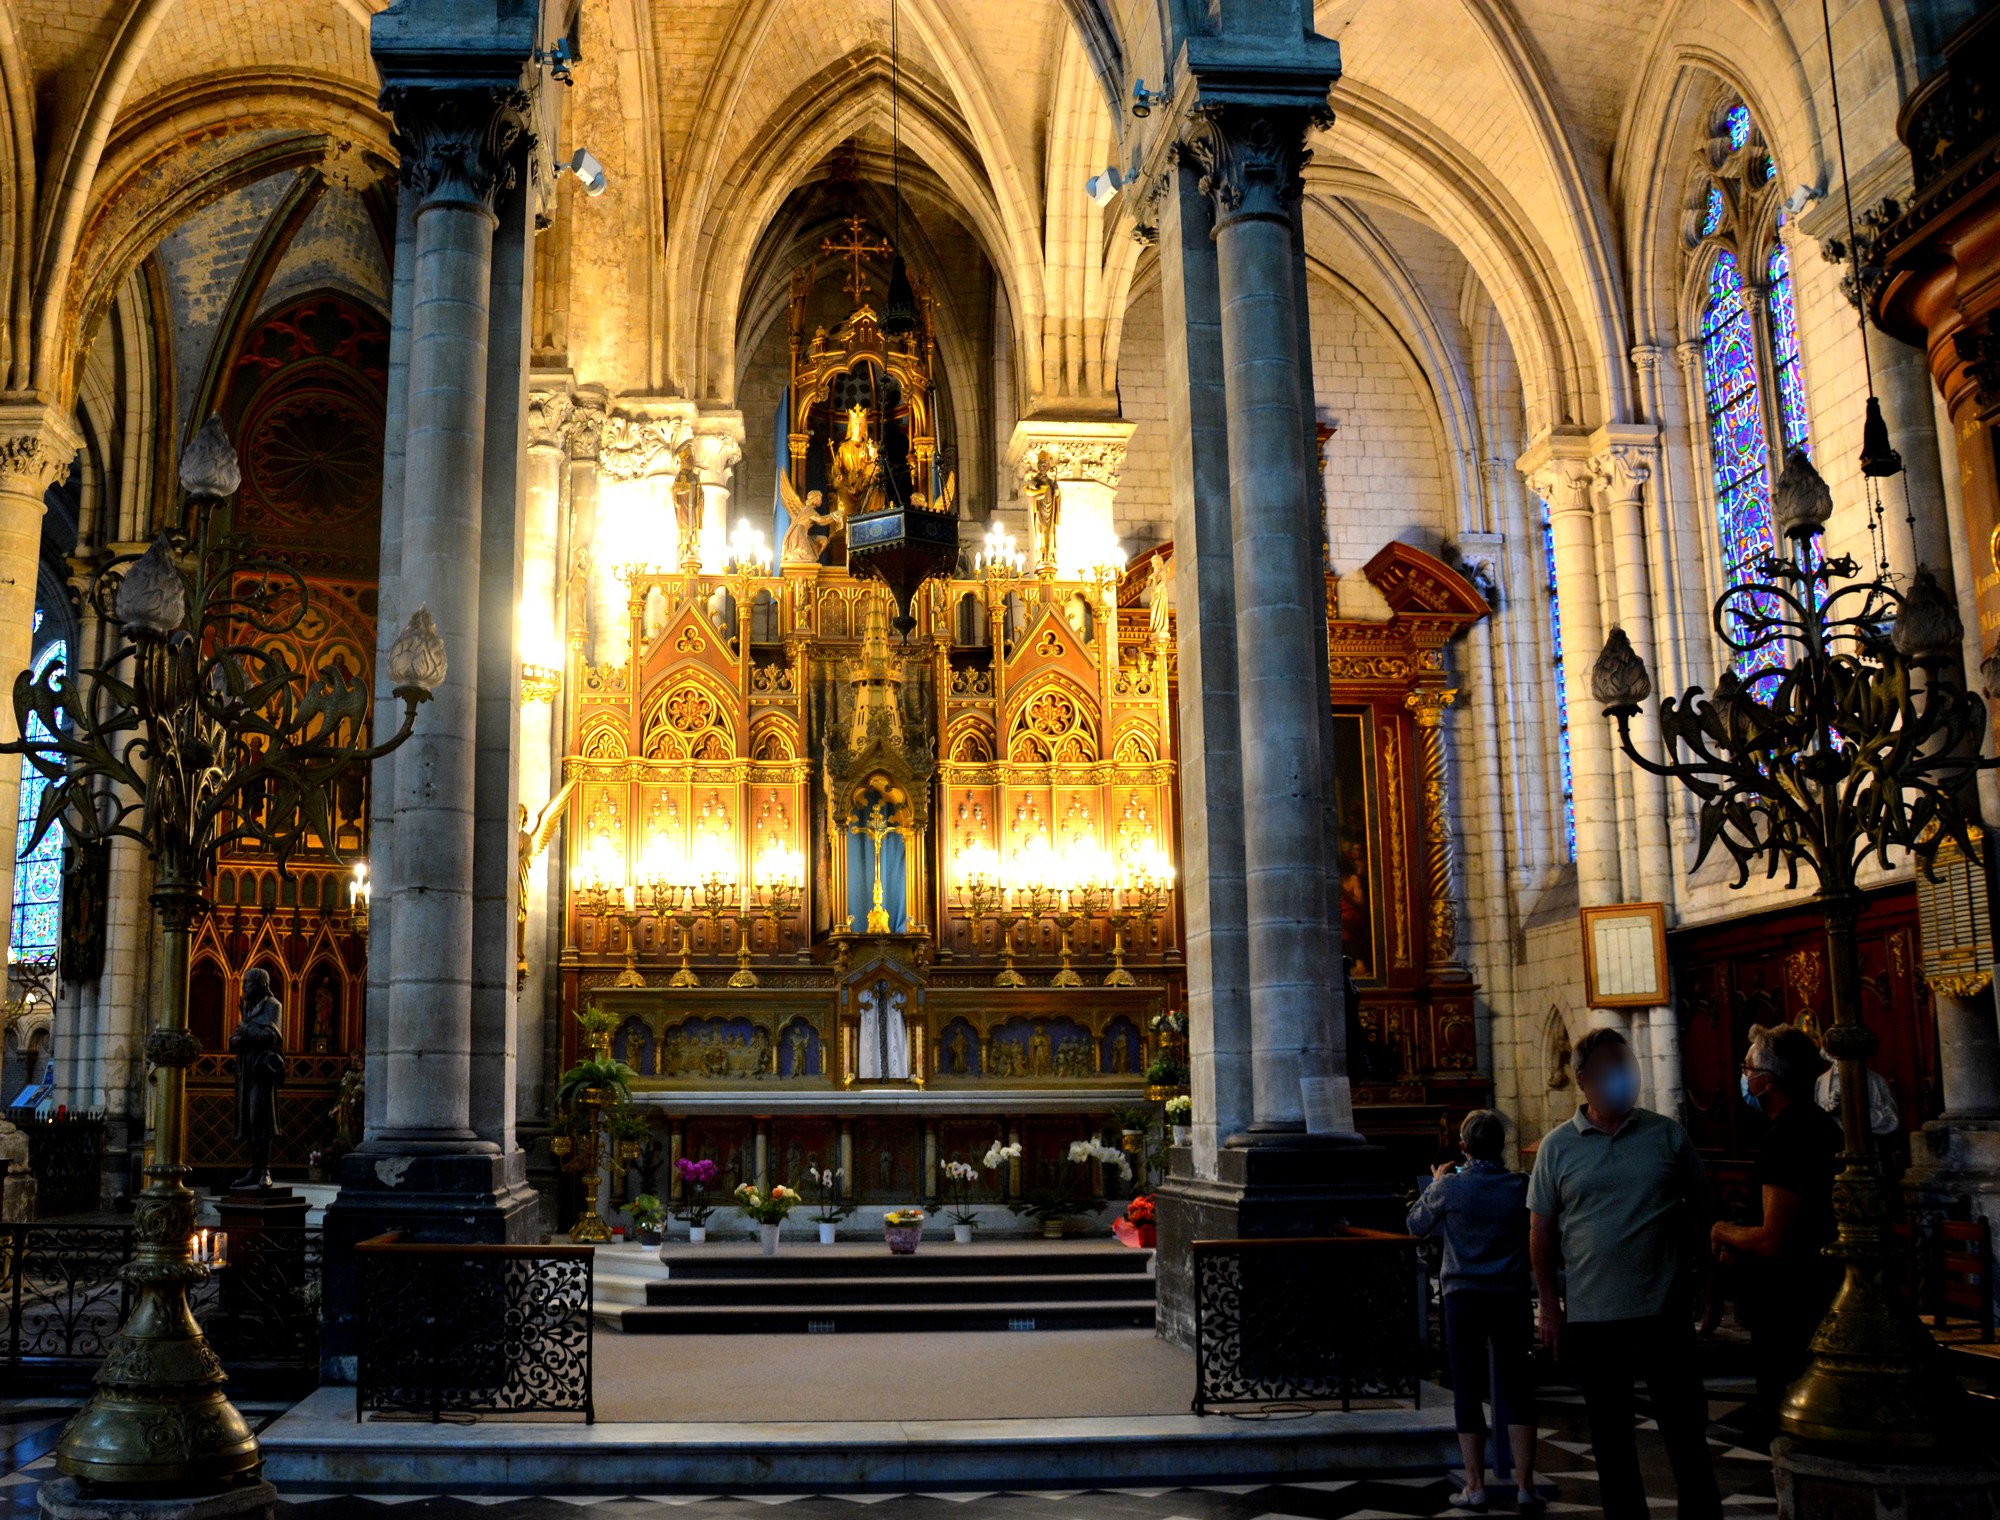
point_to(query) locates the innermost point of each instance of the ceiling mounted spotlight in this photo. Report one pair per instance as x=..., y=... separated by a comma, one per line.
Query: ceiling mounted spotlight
x=558, y=60
x=589, y=172
x=1143, y=99
x=1101, y=187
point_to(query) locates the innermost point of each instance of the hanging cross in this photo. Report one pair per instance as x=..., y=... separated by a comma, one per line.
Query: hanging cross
x=854, y=250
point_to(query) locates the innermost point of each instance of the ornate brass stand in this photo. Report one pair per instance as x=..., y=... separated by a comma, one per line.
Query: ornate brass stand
x=196, y=733
x=630, y=976
x=1864, y=742
x=1068, y=975
x=1008, y=975
x=685, y=914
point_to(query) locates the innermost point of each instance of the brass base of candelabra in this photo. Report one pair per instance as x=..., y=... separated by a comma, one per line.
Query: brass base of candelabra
x=157, y=1421
x=1067, y=977
x=589, y=1230
x=1118, y=976
x=744, y=977
x=629, y=977
x=1009, y=977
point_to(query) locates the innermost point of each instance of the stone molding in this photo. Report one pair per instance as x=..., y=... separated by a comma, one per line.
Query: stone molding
x=463, y=144
x=583, y=431
x=633, y=448
x=1623, y=459
x=1252, y=158
x=549, y=414
x=716, y=456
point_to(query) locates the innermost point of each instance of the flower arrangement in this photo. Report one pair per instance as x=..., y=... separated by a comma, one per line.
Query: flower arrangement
x=959, y=1176
x=1082, y=1152
x=648, y=1213
x=1140, y=1209
x=826, y=1189
x=1180, y=1110
x=766, y=1208
x=998, y=1155
x=903, y=1217
x=903, y=1229
x=696, y=1176
x=1138, y=1229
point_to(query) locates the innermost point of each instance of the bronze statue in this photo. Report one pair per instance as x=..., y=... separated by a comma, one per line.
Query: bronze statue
x=853, y=473
x=800, y=548
x=1038, y=484
x=258, y=1043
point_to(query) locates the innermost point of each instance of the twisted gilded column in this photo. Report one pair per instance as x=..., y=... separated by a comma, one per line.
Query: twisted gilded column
x=458, y=147
x=1427, y=706
x=1251, y=155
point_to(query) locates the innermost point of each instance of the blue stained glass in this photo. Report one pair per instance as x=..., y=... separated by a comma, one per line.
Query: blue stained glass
x=1711, y=216
x=1738, y=122
x=1562, y=683
x=1785, y=352
x=37, y=872
x=1738, y=444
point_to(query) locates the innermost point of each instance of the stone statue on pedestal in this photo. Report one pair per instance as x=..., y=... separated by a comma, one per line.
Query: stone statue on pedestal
x=258, y=1043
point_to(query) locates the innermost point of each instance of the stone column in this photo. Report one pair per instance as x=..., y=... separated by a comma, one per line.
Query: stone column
x=456, y=147
x=1089, y=456
x=718, y=446
x=1251, y=155
x=37, y=446
x=542, y=642
x=1557, y=466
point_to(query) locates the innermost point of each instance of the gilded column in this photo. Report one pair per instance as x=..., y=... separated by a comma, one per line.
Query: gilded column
x=458, y=148
x=37, y=446
x=1251, y=156
x=1427, y=706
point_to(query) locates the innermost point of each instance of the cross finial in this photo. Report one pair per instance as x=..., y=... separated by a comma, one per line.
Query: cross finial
x=857, y=247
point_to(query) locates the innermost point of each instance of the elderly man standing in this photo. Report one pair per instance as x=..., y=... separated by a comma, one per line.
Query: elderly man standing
x=1617, y=1202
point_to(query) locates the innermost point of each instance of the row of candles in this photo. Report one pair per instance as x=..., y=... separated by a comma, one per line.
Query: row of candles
x=687, y=890
x=1083, y=880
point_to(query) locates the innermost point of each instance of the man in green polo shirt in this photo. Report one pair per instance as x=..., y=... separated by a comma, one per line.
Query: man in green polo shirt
x=1617, y=1205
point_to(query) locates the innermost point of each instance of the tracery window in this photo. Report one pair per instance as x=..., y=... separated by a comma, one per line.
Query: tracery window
x=1561, y=683
x=37, y=872
x=1752, y=388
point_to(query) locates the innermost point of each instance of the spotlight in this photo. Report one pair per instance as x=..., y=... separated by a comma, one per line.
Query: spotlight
x=1799, y=199
x=1143, y=99
x=1103, y=186
x=584, y=165
x=558, y=60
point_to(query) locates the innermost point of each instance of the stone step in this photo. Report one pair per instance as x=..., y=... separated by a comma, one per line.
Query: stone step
x=840, y=1287
x=840, y=1318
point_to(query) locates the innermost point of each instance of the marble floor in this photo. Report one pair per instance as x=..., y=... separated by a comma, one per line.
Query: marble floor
x=28, y=1433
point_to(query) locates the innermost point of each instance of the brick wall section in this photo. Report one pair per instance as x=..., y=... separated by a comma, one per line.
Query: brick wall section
x=336, y=249
x=202, y=259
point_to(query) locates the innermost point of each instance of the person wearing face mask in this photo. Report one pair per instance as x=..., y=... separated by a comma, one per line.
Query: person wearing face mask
x=1785, y=1282
x=1618, y=1205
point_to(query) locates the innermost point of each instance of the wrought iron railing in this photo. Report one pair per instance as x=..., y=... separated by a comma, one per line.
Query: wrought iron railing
x=1309, y=1322
x=62, y=1299
x=473, y=1329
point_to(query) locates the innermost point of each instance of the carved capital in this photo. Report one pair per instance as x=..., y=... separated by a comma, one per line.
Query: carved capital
x=548, y=419
x=1646, y=359
x=1623, y=470
x=1688, y=355
x=1098, y=459
x=1427, y=704
x=1251, y=158
x=716, y=456
x=632, y=448
x=37, y=447
x=459, y=144
x=1564, y=484
x=584, y=430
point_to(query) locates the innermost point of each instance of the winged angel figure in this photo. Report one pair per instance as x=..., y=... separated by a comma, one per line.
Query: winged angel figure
x=806, y=516
x=534, y=839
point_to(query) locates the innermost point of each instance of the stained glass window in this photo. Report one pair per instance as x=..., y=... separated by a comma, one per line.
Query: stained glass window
x=1738, y=122
x=1785, y=351
x=1562, y=682
x=1740, y=450
x=1711, y=216
x=37, y=872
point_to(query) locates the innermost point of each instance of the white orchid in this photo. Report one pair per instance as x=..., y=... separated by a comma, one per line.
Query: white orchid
x=1083, y=1151
x=998, y=1155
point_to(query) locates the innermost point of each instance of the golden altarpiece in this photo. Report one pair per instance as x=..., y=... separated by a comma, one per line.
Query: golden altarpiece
x=859, y=900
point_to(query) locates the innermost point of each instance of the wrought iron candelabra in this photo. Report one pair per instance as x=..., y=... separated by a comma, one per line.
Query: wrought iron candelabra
x=1846, y=735
x=198, y=731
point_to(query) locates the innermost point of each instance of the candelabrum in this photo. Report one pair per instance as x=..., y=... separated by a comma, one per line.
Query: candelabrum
x=984, y=899
x=746, y=914
x=1843, y=734
x=680, y=907
x=1097, y=902
x=715, y=889
x=1065, y=917
x=579, y=1152
x=1041, y=900
x=201, y=729
x=777, y=901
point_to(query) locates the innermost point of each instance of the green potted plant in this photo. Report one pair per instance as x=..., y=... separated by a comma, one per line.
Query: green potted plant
x=650, y=1217
x=1180, y=1118
x=696, y=1174
x=826, y=1190
x=768, y=1210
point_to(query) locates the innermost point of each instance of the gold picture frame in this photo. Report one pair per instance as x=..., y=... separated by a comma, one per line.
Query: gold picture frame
x=1625, y=955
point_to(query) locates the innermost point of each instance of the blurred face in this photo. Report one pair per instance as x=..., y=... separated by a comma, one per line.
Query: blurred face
x=1758, y=1082
x=1610, y=1083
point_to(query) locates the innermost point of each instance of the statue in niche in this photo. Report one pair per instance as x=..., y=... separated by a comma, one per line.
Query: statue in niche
x=687, y=509
x=885, y=1039
x=1038, y=483
x=801, y=1046
x=954, y=1054
x=1121, y=1056
x=853, y=472
x=1160, y=594
x=258, y=1043
x=1040, y=1063
x=801, y=548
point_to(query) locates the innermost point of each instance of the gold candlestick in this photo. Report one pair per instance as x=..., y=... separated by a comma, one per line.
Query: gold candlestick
x=1067, y=976
x=743, y=976
x=685, y=914
x=630, y=976
x=1008, y=976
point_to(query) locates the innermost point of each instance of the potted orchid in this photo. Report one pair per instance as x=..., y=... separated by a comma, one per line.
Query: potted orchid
x=903, y=1229
x=768, y=1210
x=1051, y=1206
x=1180, y=1116
x=826, y=1189
x=958, y=1178
x=696, y=1177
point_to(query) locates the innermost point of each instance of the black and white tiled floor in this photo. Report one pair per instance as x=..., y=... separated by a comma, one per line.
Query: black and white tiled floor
x=28, y=1434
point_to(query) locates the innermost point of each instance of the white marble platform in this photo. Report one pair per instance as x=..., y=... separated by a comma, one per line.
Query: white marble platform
x=319, y=1448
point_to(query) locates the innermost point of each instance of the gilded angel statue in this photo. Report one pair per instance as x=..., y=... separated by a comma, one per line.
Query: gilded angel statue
x=534, y=838
x=805, y=516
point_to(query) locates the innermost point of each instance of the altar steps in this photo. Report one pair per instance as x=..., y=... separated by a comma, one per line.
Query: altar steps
x=860, y=1290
